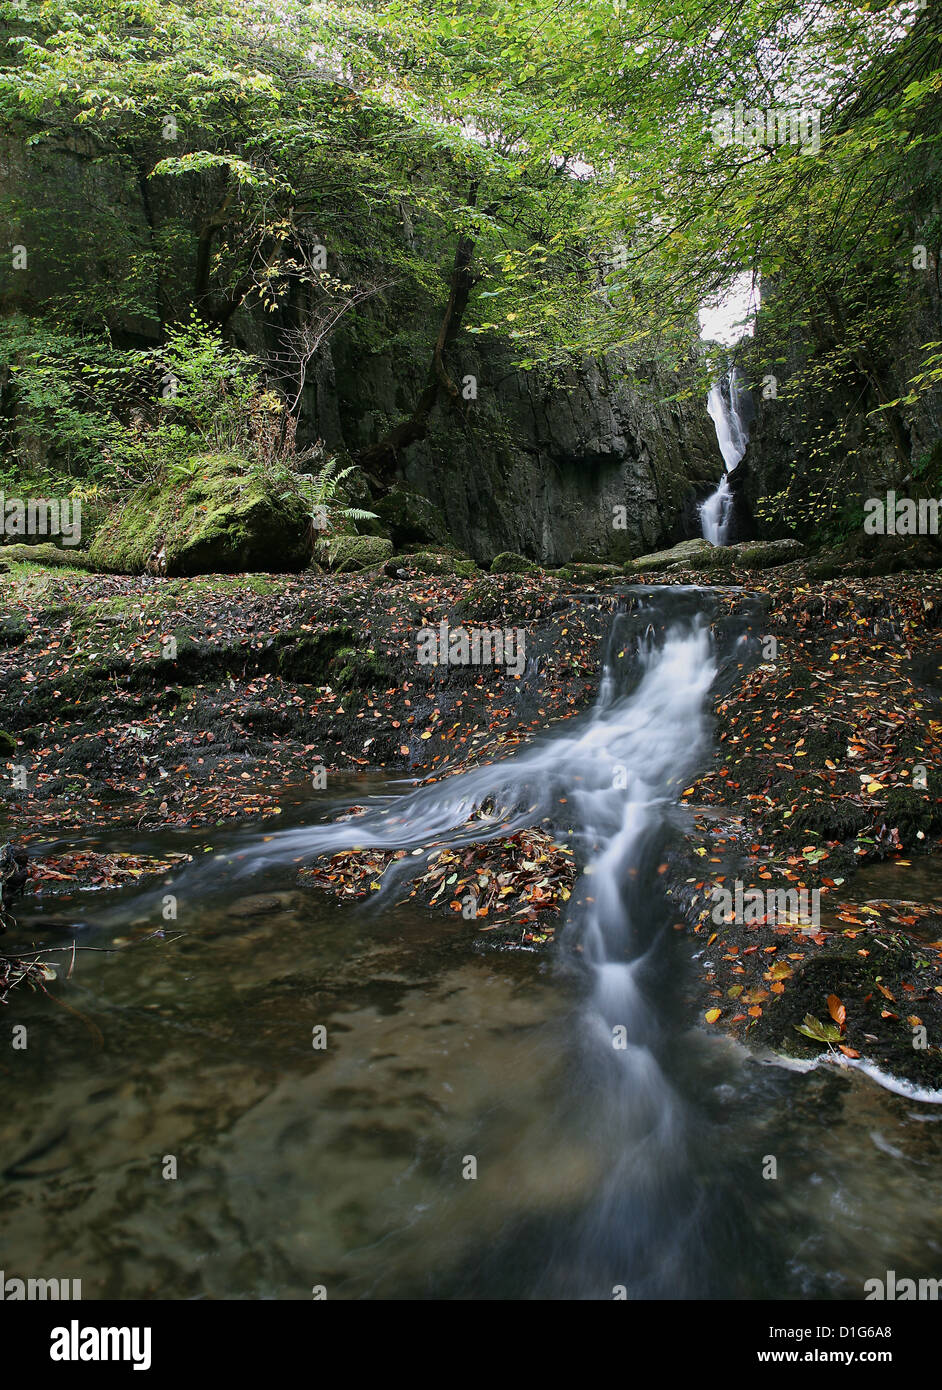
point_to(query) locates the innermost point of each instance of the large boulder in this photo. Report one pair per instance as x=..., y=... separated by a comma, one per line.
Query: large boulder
x=223, y=519
x=438, y=562
x=699, y=554
x=758, y=555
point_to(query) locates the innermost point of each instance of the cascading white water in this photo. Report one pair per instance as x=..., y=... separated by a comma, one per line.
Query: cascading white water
x=611, y=780
x=727, y=410
x=618, y=773
x=647, y=737
x=715, y=513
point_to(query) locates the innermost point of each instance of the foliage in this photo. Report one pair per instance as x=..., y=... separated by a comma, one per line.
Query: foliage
x=567, y=152
x=64, y=390
x=326, y=505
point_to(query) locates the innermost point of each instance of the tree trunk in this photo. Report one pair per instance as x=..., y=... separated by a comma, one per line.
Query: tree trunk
x=380, y=459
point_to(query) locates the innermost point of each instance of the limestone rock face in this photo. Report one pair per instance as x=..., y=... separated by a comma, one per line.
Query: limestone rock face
x=581, y=466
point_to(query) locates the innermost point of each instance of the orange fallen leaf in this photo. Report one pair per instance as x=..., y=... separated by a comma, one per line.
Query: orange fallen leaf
x=837, y=1011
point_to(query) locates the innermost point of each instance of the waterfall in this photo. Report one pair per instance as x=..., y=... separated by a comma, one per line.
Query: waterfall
x=729, y=407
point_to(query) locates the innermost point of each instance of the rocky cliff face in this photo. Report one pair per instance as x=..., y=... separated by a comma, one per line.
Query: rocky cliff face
x=825, y=430
x=538, y=466
x=532, y=464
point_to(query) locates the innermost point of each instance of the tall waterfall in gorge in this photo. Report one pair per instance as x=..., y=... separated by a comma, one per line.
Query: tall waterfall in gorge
x=728, y=407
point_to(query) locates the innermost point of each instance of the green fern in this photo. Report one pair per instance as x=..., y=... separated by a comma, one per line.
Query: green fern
x=325, y=511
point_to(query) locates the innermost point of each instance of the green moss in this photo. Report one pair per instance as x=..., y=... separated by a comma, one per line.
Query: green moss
x=224, y=520
x=509, y=562
x=356, y=670
x=909, y=810
x=825, y=570
x=45, y=554
x=7, y=742
x=721, y=557
x=429, y=562
x=13, y=631
x=832, y=820
x=350, y=553
x=764, y=554
x=311, y=656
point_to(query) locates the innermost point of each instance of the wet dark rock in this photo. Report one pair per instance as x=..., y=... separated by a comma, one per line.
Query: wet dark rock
x=264, y=904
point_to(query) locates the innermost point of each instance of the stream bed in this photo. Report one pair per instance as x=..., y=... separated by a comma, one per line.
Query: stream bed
x=282, y=1094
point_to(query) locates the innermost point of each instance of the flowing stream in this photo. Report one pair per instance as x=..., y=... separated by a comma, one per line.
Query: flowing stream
x=728, y=408
x=479, y=1124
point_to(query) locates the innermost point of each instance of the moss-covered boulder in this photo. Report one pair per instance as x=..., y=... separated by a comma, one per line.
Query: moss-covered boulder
x=438, y=562
x=347, y=554
x=684, y=553
x=509, y=562
x=591, y=571
x=407, y=516
x=758, y=555
x=224, y=519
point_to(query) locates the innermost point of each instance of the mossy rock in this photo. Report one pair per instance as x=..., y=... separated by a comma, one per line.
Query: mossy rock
x=909, y=810
x=430, y=562
x=829, y=742
x=720, y=557
x=860, y=554
x=409, y=517
x=509, y=562
x=13, y=631
x=361, y=670
x=224, y=520
x=825, y=569
x=832, y=820
x=482, y=601
x=52, y=556
x=593, y=570
x=758, y=555
x=347, y=554
x=690, y=553
x=309, y=656
x=7, y=743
